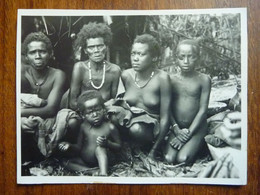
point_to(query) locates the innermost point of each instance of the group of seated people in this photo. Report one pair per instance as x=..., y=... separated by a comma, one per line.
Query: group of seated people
x=164, y=115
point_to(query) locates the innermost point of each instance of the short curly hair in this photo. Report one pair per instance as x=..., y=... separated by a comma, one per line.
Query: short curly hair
x=92, y=30
x=89, y=95
x=194, y=43
x=152, y=43
x=36, y=36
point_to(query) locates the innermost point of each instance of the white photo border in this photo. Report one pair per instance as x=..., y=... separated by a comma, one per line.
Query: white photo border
x=134, y=180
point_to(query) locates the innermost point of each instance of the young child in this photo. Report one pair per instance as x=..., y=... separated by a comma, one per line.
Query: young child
x=97, y=135
x=190, y=97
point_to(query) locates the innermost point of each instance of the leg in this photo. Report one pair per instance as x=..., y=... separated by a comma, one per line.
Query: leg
x=189, y=151
x=73, y=130
x=101, y=154
x=141, y=133
x=29, y=148
x=170, y=153
x=75, y=164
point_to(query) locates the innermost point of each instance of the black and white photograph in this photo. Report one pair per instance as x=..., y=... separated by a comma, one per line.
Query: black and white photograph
x=132, y=96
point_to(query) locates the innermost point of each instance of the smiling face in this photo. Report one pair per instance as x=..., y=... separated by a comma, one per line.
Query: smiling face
x=187, y=57
x=96, y=49
x=141, y=58
x=37, y=55
x=93, y=111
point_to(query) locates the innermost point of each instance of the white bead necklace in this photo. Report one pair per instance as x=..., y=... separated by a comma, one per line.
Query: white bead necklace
x=151, y=76
x=103, y=76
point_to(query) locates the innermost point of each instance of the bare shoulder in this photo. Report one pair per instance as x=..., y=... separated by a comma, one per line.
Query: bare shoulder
x=24, y=67
x=113, y=68
x=57, y=73
x=205, y=79
x=163, y=76
x=126, y=74
x=79, y=65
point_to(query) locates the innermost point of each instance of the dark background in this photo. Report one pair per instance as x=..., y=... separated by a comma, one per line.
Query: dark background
x=8, y=21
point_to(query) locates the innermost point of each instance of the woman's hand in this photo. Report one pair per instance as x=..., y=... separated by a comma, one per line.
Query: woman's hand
x=64, y=146
x=176, y=143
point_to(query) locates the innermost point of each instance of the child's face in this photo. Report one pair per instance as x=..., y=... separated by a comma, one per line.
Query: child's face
x=187, y=57
x=94, y=111
x=96, y=49
x=141, y=57
x=37, y=55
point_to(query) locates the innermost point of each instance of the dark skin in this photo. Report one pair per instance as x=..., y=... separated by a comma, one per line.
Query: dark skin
x=52, y=80
x=96, y=136
x=80, y=77
x=190, y=92
x=154, y=97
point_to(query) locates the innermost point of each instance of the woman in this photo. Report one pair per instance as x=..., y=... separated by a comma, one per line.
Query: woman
x=147, y=92
x=94, y=73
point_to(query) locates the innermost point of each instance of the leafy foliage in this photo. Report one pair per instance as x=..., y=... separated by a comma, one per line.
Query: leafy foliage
x=218, y=35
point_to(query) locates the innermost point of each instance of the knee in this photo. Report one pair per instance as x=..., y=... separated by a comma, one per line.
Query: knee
x=73, y=123
x=135, y=129
x=169, y=158
x=183, y=158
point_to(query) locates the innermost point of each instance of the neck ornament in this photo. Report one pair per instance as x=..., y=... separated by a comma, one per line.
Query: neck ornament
x=36, y=82
x=139, y=86
x=103, y=76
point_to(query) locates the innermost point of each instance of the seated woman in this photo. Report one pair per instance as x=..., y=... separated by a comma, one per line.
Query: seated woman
x=39, y=78
x=95, y=73
x=43, y=86
x=148, y=95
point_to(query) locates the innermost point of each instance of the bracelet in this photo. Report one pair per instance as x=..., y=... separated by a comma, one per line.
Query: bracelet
x=174, y=125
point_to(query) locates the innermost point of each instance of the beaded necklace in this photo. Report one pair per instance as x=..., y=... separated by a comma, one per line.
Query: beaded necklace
x=38, y=84
x=103, y=76
x=151, y=76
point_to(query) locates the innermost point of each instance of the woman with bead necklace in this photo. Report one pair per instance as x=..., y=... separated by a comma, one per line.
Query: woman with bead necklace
x=40, y=79
x=147, y=88
x=95, y=73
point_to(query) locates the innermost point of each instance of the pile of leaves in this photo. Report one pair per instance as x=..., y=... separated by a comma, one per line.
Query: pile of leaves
x=129, y=164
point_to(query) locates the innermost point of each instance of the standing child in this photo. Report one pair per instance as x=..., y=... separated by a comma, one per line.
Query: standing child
x=97, y=135
x=190, y=98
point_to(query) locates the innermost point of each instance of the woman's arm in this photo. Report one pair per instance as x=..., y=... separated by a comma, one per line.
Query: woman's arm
x=165, y=105
x=116, y=75
x=53, y=100
x=75, y=85
x=75, y=148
